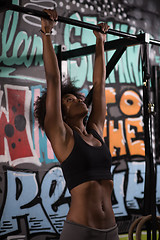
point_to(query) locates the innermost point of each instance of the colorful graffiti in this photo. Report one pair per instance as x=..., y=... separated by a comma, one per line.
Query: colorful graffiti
x=123, y=123
x=34, y=199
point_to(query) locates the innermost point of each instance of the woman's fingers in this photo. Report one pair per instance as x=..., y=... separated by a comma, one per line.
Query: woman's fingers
x=52, y=13
x=101, y=35
x=104, y=27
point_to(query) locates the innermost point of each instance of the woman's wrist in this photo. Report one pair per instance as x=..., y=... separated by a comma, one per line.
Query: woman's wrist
x=48, y=33
x=100, y=41
x=46, y=29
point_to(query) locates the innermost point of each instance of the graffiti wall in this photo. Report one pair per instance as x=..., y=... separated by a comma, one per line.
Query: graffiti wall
x=34, y=199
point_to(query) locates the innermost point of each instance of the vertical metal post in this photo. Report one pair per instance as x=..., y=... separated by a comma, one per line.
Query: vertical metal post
x=150, y=183
x=156, y=91
x=59, y=57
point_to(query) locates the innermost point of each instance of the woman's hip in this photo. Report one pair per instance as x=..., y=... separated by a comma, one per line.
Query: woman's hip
x=74, y=231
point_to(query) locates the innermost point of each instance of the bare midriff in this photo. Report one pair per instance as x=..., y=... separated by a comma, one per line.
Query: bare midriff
x=91, y=204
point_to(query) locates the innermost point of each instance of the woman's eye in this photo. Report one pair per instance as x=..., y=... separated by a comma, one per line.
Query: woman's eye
x=69, y=99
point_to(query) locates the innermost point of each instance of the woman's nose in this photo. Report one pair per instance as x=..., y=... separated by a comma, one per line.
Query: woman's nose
x=80, y=100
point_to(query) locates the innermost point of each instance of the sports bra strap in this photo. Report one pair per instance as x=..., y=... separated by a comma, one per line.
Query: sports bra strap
x=96, y=135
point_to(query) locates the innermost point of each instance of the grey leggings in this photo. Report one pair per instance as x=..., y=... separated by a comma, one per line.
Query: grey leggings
x=74, y=231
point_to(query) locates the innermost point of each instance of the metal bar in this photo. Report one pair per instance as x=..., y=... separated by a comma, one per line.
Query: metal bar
x=9, y=6
x=147, y=187
x=150, y=178
x=156, y=90
x=114, y=59
x=88, y=99
x=146, y=137
x=59, y=58
x=108, y=46
x=62, y=19
x=154, y=42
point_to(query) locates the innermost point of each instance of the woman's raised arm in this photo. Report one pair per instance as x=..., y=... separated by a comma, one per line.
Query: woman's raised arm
x=54, y=124
x=98, y=112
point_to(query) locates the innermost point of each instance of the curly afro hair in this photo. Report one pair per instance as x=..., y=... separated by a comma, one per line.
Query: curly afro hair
x=40, y=104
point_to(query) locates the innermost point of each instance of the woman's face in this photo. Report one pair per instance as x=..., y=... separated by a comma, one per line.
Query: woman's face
x=73, y=106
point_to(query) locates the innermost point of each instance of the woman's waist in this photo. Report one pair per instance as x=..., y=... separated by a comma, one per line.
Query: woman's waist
x=100, y=210
x=91, y=205
x=96, y=217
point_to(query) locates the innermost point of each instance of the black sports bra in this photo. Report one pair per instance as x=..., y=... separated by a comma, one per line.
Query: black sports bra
x=86, y=162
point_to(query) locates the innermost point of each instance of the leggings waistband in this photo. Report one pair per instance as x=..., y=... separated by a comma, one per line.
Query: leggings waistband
x=96, y=229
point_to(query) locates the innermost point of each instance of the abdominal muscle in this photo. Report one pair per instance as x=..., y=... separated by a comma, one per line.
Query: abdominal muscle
x=91, y=204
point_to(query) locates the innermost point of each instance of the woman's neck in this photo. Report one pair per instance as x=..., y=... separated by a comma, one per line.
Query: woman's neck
x=78, y=126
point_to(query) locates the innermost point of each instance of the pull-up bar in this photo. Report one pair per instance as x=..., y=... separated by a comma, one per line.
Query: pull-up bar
x=7, y=5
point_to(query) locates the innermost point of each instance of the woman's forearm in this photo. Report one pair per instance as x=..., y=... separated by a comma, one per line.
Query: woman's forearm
x=99, y=72
x=49, y=56
x=50, y=60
